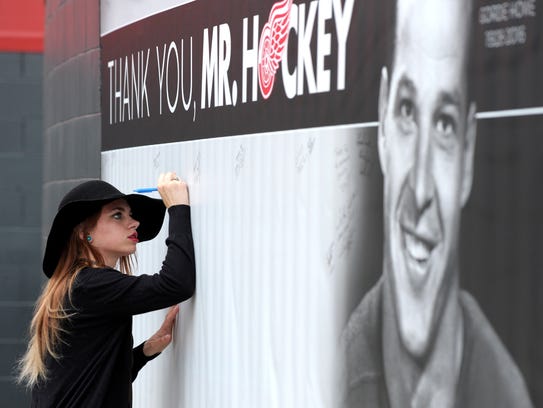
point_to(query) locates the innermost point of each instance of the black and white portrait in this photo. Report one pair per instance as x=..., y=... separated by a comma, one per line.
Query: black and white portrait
x=417, y=338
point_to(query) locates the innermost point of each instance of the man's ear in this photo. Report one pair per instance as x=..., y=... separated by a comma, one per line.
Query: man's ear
x=469, y=153
x=383, y=105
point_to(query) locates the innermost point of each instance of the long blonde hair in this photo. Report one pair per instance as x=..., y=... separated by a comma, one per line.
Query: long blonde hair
x=50, y=310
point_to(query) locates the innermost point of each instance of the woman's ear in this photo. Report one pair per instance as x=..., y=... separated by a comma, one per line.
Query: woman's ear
x=81, y=232
x=383, y=106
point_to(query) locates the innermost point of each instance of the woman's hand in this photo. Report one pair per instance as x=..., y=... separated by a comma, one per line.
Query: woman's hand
x=172, y=190
x=160, y=340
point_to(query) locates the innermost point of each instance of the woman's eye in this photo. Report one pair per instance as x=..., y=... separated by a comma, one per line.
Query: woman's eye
x=117, y=216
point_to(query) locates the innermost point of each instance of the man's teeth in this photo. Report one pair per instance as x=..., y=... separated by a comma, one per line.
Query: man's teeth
x=416, y=248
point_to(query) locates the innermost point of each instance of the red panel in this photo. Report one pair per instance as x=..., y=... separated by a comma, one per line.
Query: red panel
x=21, y=25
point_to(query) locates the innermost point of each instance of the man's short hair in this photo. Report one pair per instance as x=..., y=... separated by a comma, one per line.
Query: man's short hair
x=391, y=11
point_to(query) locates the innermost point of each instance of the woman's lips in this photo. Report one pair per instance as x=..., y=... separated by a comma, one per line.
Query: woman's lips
x=134, y=237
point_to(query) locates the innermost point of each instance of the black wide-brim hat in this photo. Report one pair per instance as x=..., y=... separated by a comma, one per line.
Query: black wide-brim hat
x=87, y=199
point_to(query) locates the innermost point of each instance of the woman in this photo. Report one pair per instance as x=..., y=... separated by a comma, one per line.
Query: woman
x=80, y=352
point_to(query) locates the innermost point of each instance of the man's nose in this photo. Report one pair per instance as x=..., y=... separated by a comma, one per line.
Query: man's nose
x=423, y=179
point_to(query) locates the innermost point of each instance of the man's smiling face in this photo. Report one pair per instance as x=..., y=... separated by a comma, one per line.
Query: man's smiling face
x=424, y=129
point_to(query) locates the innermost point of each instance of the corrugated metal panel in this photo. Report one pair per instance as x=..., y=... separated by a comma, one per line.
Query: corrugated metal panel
x=277, y=223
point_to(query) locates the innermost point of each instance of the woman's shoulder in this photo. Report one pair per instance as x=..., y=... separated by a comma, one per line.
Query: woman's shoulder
x=89, y=275
x=95, y=284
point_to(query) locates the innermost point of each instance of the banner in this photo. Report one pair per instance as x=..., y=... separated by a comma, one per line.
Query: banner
x=365, y=196
x=220, y=69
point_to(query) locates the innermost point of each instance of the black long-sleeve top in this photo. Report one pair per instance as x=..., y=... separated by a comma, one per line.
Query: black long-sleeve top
x=97, y=364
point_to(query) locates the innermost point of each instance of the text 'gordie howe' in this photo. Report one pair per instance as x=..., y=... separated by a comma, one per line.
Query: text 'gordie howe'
x=173, y=75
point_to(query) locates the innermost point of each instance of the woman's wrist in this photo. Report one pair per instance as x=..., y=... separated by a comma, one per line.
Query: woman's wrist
x=148, y=352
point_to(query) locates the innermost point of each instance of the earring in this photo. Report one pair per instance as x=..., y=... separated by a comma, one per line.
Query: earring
x=89, y=239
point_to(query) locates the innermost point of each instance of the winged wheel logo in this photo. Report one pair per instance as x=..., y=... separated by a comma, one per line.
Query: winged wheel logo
x=273, y=44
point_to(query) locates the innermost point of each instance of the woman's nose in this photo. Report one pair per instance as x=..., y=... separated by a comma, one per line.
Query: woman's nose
x=134, y=223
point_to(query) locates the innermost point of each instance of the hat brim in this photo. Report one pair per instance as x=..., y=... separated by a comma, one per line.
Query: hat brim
x=148, y=211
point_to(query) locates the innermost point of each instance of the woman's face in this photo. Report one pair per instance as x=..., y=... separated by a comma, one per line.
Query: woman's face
x=114, y=234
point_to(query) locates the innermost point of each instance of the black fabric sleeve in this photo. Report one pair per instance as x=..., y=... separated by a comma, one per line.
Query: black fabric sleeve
x=109, y=291
x=139, y=360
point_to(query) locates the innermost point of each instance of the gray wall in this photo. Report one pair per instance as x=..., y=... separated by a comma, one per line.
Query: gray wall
x=71, y=110
x=45, y=149
x=20, y=210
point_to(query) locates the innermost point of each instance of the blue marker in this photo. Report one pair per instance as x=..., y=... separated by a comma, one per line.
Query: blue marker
x=145, y=190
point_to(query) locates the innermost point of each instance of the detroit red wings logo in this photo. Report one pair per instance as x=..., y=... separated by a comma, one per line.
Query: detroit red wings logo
x=273, y=44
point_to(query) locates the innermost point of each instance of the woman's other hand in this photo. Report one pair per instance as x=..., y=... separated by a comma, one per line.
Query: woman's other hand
x=172, y=190
x=160, y=340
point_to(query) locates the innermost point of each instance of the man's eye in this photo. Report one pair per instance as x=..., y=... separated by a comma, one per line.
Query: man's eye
x=446, y=125
x=406, y=116
x=406, y=109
